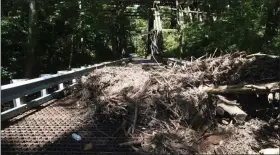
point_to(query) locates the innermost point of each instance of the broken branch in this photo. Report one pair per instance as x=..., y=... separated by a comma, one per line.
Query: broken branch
x=223, y=99
x=262, y=55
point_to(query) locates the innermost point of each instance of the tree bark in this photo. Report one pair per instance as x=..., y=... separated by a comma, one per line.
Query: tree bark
x=273, y=20
x=180, y=25
x=119, y=36
x=150, y=27
x=30, y=54
x=71, y=53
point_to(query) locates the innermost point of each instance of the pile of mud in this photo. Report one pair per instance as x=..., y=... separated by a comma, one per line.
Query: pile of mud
x=166, y=110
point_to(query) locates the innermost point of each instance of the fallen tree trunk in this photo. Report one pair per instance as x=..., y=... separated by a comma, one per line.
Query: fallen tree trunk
x=240, y=89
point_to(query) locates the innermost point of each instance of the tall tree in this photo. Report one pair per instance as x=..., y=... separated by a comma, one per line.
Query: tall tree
x=272, y=23
x=30, y=52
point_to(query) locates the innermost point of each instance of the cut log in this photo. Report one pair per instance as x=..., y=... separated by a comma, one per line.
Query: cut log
x=270, y=151
x=241, y=89
x=231, y=107
x=233, y=110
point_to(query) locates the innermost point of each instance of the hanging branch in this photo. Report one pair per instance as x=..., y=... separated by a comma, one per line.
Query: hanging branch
x=156, y=36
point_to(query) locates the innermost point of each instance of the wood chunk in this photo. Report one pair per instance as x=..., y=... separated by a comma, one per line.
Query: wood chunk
x=233, y=110
x=270, y=151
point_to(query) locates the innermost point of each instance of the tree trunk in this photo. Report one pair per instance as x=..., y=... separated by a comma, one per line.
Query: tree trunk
x=273, y=19
x=150, y=27
x=180, y=23
x=157, y=51
x=81, y=27
x=119, y=33
x=71, y=53
x=30, y=54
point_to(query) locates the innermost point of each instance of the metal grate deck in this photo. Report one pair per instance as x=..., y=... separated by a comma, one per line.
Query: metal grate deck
x=48, y=130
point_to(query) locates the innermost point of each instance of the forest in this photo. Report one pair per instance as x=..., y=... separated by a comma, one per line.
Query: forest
x=46, y=36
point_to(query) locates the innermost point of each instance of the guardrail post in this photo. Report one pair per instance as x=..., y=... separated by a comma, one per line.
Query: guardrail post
x=83, y=67
x=61, y=85
x=18, y=101
x=44, y=91
x=74, y=80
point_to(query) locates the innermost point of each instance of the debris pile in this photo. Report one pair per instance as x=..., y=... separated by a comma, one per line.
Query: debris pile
x=200, y=107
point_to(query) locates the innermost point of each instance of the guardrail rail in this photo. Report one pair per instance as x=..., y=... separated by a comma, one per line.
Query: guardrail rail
x=16, y=90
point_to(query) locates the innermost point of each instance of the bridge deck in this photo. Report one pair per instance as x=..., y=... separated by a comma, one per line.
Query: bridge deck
x=48, y=130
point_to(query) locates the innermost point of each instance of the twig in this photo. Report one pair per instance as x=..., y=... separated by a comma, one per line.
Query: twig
x=168, y=108
x=214, y=52
x=176, y=126
x=102, y=132
x=166, y=125
x=114, y=99
x=134, y=142
x=121, y=127
x=158, y=81
x=164, y=81
x=201, y=57
x=203, y=135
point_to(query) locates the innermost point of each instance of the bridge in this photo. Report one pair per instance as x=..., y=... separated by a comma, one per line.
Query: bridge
x=45, y=124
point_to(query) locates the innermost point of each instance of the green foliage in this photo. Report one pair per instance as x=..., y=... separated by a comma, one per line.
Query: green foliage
x=140, y=35
x=140, y=44
x=92, y=33
x=171, y=44
x=100, y=31
x=195, y=36
x=240, y=26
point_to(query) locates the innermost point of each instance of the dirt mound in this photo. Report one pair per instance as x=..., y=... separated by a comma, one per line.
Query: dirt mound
x=166, y=110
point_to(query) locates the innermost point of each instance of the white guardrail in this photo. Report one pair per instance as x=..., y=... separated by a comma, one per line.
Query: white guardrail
x=18, y=89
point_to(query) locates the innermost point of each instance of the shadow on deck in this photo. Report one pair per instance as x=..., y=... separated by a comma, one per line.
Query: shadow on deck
x=48, y=130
